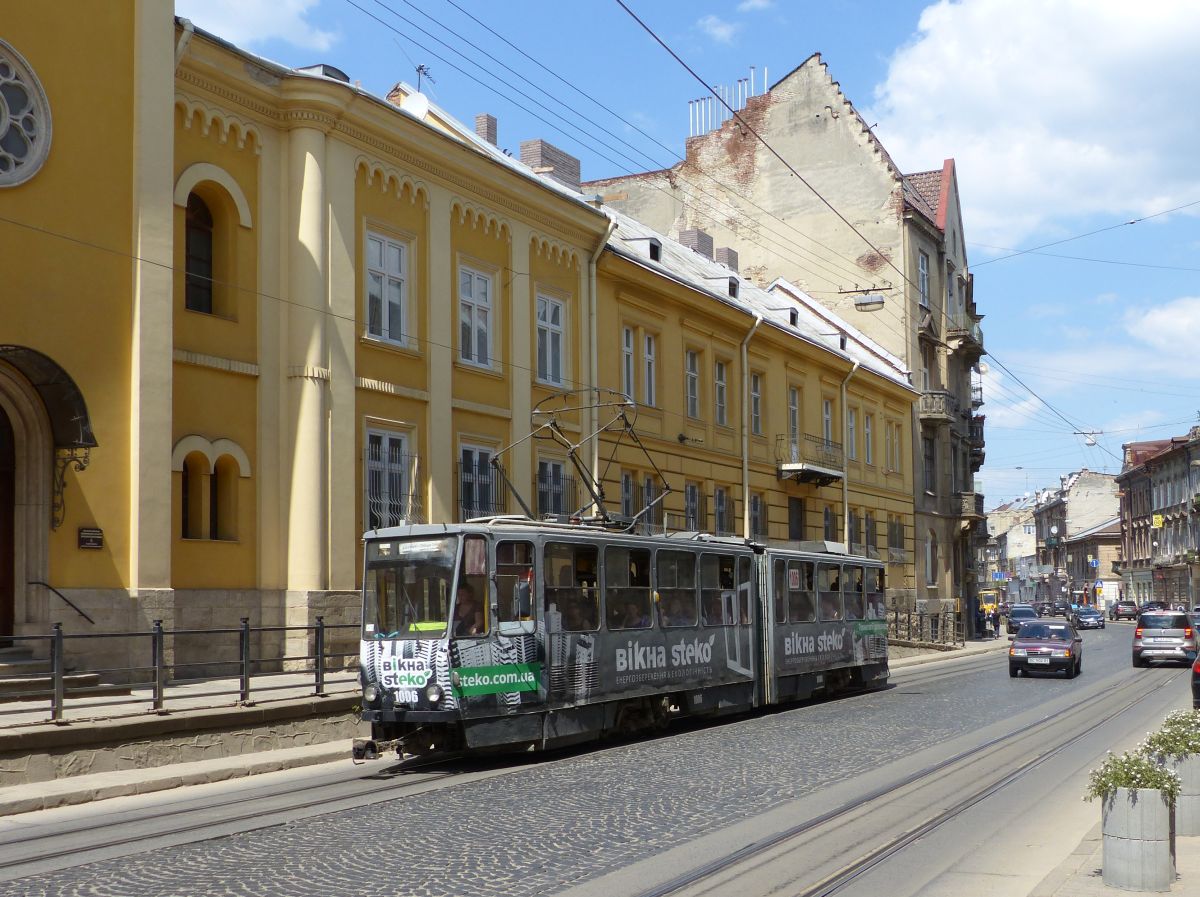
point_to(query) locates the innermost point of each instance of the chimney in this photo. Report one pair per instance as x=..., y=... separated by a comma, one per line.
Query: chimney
x=697, y=241
x=727, y=257
x=485, y=127
x=548, y=160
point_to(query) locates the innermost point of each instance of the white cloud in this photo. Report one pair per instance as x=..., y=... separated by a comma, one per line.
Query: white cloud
x=718, y=29
x=1050, y=107
x=1171, y=330
x=754, y=5
x=250, y=22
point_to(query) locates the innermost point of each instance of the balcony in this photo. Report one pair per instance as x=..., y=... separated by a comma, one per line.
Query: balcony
x=970, y=507
x=811, y=459
x=557, y=495
x=976, y=395
x=480, y=491
x=394, y=488
x=899, y=556
x=966, y=336
x=938, y=406
x=975, y=441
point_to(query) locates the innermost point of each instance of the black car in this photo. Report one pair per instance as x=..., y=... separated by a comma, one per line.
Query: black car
x=1021, y=613
x=1046, y=646
x=1087, y=617
x=1061, y=608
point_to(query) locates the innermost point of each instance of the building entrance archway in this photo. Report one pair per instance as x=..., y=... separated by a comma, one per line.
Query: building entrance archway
x=8, y=585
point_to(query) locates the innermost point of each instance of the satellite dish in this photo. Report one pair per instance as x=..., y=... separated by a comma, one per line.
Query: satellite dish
x=416, y=105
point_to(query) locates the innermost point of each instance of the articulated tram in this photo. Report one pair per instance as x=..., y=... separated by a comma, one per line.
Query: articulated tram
x=509, y=633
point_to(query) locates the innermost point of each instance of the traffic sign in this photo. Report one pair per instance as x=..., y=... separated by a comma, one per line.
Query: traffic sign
x=1094, y=562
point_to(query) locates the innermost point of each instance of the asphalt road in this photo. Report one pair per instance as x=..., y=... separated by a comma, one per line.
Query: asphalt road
x=621, y=819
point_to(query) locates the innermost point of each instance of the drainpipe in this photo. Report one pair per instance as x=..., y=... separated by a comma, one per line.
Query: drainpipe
x=594, y=373
x=184, y=39
x=746, y=428
x=845, y=472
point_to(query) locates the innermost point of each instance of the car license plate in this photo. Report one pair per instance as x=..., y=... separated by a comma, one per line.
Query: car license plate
x=1045, y=660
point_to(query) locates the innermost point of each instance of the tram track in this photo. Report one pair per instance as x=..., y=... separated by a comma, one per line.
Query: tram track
x=723, y=873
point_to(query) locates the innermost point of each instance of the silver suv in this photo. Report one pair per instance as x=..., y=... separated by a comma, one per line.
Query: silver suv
x=1163, y=635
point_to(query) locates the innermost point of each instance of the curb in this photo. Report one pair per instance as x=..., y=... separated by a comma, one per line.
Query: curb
x=100, y=786
x=944, y=656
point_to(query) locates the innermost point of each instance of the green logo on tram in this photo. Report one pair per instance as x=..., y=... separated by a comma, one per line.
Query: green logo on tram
x=496, y=680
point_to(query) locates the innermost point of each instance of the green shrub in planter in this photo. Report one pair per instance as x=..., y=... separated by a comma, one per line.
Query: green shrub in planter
x=1131, y=770
x=1179, y=736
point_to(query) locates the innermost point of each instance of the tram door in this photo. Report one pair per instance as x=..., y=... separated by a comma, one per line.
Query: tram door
x=519, y=621
x=571, y=608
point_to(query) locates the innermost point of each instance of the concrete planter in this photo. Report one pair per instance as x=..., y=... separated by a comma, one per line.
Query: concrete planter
x=1187, y=805
x=1139, y=840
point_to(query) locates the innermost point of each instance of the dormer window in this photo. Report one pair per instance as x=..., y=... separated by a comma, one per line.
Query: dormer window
x=793, y=317
x=655, y=250
x=733, y=287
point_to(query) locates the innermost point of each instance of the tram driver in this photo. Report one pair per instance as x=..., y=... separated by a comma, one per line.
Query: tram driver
x=468, y=615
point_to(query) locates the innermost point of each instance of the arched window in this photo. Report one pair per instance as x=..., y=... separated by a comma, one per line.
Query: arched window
x=931, y=559
x=223, y=499
x=199, y=256
x=195, y=474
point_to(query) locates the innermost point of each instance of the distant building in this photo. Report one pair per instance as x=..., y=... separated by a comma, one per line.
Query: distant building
x=1084, y=500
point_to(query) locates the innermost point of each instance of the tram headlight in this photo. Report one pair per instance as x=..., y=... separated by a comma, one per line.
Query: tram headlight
x=371, y=693
x=433, y=693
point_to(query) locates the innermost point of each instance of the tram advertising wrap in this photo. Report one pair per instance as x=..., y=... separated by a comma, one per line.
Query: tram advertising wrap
x=510, y=633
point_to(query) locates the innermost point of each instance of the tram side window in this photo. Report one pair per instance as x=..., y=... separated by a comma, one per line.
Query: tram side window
x=802, y=605
x=716, y=589
x=876, y=607
x=471, y=597
x=829, y=586
x=855, y=598
x=676, y=588
x=570, y=585
x=779, y=589
x=514, y=580
x=627, y=587
x=744, y=588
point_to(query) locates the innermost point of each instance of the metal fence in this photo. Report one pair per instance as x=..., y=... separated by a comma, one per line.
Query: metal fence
x=227, y=667
x=935, y=629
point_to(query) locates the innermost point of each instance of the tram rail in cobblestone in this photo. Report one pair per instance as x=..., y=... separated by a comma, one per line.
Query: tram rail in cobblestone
x=832, y=884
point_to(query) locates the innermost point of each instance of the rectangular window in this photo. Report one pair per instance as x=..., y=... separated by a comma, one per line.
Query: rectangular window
x=691, y=507
x=794, y=424
x=796, y=519
x=717, y=590
x=719, y=392
x=627, y=587
x=390, y=474
x=923, y=278
x=721, y=511
x=677, y=588
x=552, y=495
x=827, y=420
x=758, y=517
x=477, y=495
x=930, y=458
x=852, y=434
x=627, y=362
x=549, y=340
x=869, y=438
x=871, y=542
x=571, y=585
x=651, y=521
x=515, y=586
x=386, y=262
x=627, y=496
x=474, y=317
x=756, y=425
x=648, y=358
x=691, y=383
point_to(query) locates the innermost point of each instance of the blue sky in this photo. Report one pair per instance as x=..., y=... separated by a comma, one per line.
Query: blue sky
x=1065, y=117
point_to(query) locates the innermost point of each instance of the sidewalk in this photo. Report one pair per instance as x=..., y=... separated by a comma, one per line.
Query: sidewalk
x=934, y=655
x=1079, y=875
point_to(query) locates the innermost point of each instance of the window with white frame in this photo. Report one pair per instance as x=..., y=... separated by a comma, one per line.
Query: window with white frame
x=756, y=424
x=852, y=434
x=829, y=519
x=923, y=278
x=827, y=420
x=794, y=423
x=869, y=438
x=648, y=393
x=691, y=506
x=721, y=510
x=653, y=507
x=477, y=492
x=627, y=495
x=627, y=362
x=386, y=275
x=474, y=317
x=758, y=517
x=691, y=382
x=720, y=372
x=551, y=487
x=391, y=471
x=550, y=321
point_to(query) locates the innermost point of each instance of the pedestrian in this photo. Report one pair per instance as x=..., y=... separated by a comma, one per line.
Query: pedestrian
x=995, y=622
x=980, y=624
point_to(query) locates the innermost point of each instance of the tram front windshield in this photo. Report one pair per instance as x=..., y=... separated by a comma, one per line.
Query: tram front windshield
x=407, y=588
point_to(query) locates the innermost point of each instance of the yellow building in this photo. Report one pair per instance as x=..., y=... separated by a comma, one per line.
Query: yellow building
x=250, y=312
x=763, y=414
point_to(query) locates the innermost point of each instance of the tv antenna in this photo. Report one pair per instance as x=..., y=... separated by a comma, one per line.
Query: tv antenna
x=423, y=72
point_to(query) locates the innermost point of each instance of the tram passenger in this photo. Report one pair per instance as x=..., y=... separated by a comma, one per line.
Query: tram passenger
x=633, y=618
x=714, y=614
x=830, y=609
x=468, y=616
x=575, y=617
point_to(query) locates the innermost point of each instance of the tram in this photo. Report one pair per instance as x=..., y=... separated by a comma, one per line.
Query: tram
x=514, y=634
